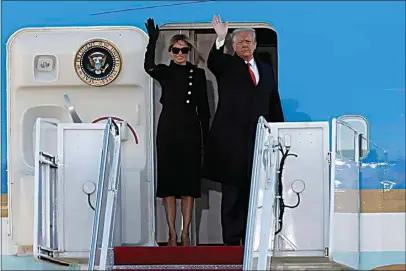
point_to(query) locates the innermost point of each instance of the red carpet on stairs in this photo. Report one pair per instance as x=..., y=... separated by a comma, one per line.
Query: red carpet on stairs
x=198, y=255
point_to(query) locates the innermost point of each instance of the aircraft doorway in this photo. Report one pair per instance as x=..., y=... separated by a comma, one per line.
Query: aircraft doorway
x=206, y=224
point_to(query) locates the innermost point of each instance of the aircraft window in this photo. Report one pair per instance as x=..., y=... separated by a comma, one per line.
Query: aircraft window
x=348, y=128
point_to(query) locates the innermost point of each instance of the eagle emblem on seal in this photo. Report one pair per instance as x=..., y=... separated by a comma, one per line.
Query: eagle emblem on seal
x=98, y=62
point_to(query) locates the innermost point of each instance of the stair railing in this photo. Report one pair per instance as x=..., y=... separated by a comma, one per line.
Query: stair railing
x=261, y=220
x=101, y=256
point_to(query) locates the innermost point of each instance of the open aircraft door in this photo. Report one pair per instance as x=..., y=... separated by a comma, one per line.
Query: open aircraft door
x=62, y=60
x=349, y=146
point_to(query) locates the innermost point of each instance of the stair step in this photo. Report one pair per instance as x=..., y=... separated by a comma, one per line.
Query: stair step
x=300, y=259
x=314, y=266
x=206, y=258
x=306, y=266
x=305, y=263
x=194, y=255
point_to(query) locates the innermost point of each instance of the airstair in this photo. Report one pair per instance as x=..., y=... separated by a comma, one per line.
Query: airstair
x=85, y=183
x=268, y=230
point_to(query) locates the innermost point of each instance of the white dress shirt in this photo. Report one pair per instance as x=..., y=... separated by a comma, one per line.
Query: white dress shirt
x=254, y=67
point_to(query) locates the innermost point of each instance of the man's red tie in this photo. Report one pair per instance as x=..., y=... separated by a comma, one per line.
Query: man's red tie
x=252, y=74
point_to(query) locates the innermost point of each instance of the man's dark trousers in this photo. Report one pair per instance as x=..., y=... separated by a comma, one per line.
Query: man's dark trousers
x=234, y=213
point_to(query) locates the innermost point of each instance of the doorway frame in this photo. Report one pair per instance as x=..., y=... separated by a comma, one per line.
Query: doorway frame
x=191, y=29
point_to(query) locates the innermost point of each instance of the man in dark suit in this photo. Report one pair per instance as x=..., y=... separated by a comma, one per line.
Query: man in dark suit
x=246, y=90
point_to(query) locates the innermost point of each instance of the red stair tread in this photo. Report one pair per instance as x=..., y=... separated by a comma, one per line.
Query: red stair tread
x=179, y=255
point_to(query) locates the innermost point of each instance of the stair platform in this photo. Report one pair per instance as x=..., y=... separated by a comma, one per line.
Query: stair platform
x=193, y=255
x=305, y=263
x=207, y=258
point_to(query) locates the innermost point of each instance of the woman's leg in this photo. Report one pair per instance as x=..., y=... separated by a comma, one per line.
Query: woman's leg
x=187, y=212
x=170, y=210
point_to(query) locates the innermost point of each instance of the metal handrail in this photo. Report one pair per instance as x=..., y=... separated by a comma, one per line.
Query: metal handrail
x=362, y=135
x=263, y=121
x=347, y=125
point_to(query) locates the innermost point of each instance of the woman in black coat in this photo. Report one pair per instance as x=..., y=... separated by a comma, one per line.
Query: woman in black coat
x=182, y=128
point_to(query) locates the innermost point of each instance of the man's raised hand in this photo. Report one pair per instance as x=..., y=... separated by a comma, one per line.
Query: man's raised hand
x=220, y=27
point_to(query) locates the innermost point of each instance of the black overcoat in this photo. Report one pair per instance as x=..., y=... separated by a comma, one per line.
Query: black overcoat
x=182, y=127
x=229, y=151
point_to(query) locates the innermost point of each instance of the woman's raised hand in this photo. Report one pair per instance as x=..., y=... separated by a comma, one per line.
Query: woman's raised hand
x=152, y=29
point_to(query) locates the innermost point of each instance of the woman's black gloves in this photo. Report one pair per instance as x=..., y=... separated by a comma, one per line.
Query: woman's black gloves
x=152, y=29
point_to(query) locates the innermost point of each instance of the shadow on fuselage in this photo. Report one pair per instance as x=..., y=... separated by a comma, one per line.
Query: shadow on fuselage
x=290, y=107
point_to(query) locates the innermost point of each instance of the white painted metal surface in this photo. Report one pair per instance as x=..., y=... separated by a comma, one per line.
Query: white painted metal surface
x=63, y=213
x=79, y=152
x=32, y=94
x=305, y=228
x=306, y=174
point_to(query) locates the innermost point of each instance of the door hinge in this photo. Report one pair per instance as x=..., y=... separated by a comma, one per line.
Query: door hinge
x=326, y=251
x=329, y=157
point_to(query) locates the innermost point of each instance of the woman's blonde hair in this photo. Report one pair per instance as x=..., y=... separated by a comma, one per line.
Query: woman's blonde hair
x=190, y=44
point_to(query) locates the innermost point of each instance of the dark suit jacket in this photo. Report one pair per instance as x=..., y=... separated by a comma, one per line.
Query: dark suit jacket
x=229, y=152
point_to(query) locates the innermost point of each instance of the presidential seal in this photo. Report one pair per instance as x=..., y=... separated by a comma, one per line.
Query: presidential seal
x=98, y=63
